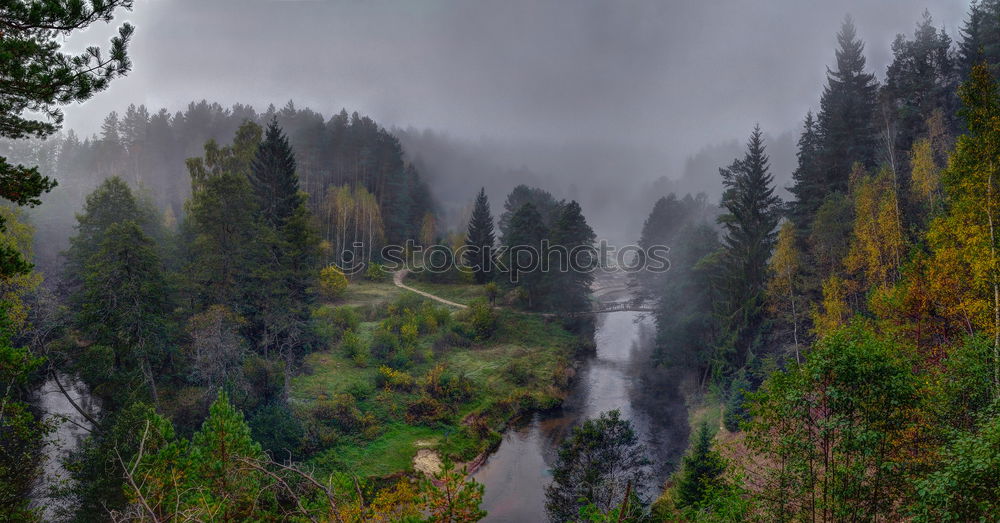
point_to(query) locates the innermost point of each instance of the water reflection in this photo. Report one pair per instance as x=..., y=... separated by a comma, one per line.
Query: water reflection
x=517, y=474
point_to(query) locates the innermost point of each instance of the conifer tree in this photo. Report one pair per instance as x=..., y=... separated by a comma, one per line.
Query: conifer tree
x=574, y=237
x=846, y=122
x=524, y=253
x=480, y=239
x=123, y=306
x=809, y=186
x=701, y=470
x=273, y=178
x=225, y=240
x=38, y=77
x=752, y=213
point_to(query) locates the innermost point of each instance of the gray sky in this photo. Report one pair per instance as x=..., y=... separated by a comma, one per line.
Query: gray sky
x=675, y=75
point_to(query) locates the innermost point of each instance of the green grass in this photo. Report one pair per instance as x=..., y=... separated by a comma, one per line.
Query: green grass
x=332, y=374
x=463, y=293
x=521, y=366
x=363, y=292
x=387, y=454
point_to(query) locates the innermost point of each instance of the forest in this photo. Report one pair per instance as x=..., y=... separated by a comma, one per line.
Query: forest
x=227, y=313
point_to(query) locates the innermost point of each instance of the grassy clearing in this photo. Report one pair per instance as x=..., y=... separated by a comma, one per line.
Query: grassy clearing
x=463, y=293
x=455, y=393
x=366, y=293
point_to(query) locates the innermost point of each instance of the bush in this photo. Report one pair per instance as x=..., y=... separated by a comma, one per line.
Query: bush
x=330, y=323
x=426, y=409
x=445, y=385
x=332, y=282
x=277, y=429
x=385, y=345
x=482, y=319
x=375, y=272
x=341, y=412
x=395, y=379
x=354, y=347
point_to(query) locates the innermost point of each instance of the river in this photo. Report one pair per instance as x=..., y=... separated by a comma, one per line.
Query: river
x=71, y=428
x=515, y=476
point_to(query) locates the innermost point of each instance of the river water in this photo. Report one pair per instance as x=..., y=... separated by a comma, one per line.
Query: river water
x=71, y=428
x=516, y=475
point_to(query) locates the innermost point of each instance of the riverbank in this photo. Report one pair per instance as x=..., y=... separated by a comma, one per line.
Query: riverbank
x=454, y=395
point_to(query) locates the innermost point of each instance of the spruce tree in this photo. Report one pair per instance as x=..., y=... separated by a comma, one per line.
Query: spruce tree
x=752, y=214
x=980, y=38
x=480, y=239
x=846, y=121
x=574, y=237
x=809, y=188
x=524, y=249
x=701, y=470
x=273, y=178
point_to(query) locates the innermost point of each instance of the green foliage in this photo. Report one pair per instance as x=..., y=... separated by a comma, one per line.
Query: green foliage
x=22, y=435
x=963, y=485
x=452, y=496
x=599, y=461
x=840, y=427
x=701, y=471
x=482, y=319
x=332, y=282
x=752, y=213
x=375, y=272
x=331, y=323
x=480, y=239
x=39, y=77
x=736, y=412
x=278, y=431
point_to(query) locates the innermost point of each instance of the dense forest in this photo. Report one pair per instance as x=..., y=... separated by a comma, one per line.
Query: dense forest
x=265, y=315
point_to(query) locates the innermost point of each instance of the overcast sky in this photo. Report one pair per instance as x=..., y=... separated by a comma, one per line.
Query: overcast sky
x=671, y=74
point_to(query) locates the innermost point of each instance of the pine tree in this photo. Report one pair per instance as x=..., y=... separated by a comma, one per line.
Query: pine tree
x=701, y=470
x=573, y=237
x=597, y=464
x=921, y=79
x=225, y=238
x=545, y=204
x=752, y=213
x=124, y=304
x=38, y=77
x=480, y=239
x=273, y=178
x=524, y=253
x=809, y=186
x=980, y=38
x=846, y=122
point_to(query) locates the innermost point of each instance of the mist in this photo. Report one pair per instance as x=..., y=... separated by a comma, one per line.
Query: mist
x=577, y=100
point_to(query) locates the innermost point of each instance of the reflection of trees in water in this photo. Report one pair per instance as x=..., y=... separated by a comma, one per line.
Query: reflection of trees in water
x=660, y=412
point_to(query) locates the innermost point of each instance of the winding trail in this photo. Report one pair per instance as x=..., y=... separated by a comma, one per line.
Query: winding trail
x=397, y=279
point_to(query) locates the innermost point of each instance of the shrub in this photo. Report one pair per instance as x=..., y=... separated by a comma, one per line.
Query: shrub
x=341, y=412
x=385, y=344
x=426, y=409
x=375, y=272
x=482, y=319
x=354, y=347
x=330, y=323
x=332, y=282
x=395, y=379
x=445, y=385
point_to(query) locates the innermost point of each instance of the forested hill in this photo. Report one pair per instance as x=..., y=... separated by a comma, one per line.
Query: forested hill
x=149, y=150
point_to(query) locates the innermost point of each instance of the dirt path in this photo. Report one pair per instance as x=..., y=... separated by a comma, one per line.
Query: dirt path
x=397, y=278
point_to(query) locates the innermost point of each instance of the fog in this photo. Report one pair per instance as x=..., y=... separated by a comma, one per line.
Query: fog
x=591, y=99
